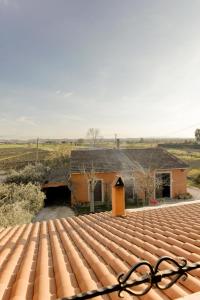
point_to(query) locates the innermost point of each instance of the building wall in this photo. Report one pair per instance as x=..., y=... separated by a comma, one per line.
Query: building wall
x=178, y=179
x=179, y=182
x=79, y=183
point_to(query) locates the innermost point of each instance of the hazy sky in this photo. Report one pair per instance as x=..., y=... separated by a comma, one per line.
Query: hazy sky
x=129, y=67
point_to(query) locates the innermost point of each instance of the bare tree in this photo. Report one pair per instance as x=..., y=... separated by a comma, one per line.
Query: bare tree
x=93, y=134
x=92, y=181
x=146, y=183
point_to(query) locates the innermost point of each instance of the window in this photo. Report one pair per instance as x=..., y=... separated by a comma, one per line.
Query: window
x=163, y=185
x=98, y=191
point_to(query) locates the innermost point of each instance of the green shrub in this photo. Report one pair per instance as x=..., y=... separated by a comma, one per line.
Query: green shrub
x=19, y=203
x=31, y=173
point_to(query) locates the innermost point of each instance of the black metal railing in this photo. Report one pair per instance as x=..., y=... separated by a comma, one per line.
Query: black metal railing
x=154, y=277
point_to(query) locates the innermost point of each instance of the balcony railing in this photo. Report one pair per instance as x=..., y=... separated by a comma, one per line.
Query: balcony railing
x=137, y=283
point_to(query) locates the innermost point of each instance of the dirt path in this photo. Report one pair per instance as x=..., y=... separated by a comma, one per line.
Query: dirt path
x=195, y=192
x=54, y=212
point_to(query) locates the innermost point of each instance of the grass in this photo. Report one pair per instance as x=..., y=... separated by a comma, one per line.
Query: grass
x=138, y=145
x=2, y=146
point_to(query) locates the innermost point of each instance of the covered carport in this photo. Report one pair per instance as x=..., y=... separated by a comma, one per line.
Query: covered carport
x=57, y=193
x=56, y=187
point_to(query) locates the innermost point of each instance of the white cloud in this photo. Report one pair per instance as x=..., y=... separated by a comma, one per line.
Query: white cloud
x=26, y=120
x=66, y=95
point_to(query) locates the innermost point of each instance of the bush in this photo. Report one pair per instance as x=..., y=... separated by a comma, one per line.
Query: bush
x=31, y=173
x=84, y=208
x=197, y=179
x=184, y=196
x=14, y=214
x=194, y=177
x=19, y=203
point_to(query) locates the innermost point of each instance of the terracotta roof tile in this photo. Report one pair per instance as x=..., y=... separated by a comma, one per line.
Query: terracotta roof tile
x=63, y=257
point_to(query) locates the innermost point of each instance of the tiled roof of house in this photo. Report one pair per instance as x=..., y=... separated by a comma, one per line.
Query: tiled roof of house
x=113, y=160
x=63, y=257
x=57, y=174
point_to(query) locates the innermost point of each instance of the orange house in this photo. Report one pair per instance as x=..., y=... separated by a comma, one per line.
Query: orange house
x=103, y=165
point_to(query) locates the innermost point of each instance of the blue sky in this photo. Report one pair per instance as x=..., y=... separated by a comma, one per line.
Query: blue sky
x=128, y=67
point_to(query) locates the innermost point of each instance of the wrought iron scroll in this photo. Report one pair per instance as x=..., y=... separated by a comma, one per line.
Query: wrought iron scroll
x=154, y=277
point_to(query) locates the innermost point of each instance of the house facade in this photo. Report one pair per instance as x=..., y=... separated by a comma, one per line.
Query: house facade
x=164, y=173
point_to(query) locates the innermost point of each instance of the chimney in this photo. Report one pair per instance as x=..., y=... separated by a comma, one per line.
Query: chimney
x=118, y=198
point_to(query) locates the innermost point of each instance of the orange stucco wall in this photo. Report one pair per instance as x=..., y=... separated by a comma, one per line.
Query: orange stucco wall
x=179, y=182
x=79, y=183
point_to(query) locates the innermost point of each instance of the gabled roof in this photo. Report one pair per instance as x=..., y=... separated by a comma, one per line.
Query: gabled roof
x=114, y=160
x=63, y=257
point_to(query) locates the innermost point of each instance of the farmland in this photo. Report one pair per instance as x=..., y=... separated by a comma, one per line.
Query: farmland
x=192, y=158
x=18, y=155
x=15, y=156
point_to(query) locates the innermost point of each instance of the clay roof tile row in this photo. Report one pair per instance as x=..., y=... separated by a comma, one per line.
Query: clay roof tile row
x=59, y=258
